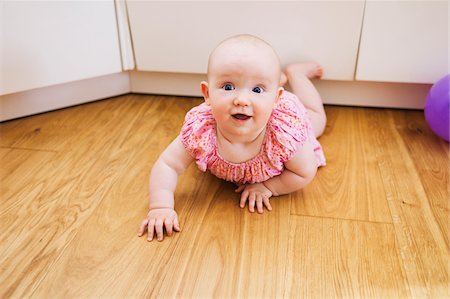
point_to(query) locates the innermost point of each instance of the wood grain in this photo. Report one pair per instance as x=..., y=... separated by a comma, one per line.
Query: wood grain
x=430, y=156
x=217, y=273
x=55, y=130
x=113, y=245
x=21, y=180
x=333, y=258
x=421, y=244
x=21, y=175
x=350, y=186
x=227, y=259
x=374, y=223
x=47, y=223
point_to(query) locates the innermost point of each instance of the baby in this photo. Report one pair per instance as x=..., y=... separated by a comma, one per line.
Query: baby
x=249, y=131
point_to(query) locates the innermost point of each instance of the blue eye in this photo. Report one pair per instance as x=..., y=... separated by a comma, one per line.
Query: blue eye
x=228, y=86
x=257, y=89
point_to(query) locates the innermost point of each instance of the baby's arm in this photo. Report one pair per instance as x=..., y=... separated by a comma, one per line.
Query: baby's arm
x=300, y=170
x=163, y=180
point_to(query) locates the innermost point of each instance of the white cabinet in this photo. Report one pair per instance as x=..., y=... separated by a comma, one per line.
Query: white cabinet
x=178, y=36
x=48, y=43
x=404, y=41
x=44, y=43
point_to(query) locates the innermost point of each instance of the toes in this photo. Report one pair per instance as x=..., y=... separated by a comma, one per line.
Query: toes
x=319, y=70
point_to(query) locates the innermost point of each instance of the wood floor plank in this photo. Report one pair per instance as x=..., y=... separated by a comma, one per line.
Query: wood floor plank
x=263, y=260
x=208, y=272
x=107, y=243
x=236, y=254
x=55, y=130
x=430, y=156
x=421, y=244
x=21, y=179
x=19, y=173
x=210, y=219
x=44, y=225
x=332, y=258
x=69, y=217
x=350, y=185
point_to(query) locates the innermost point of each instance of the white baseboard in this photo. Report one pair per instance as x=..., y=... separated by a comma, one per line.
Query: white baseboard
x=44, y=99
x=351, y=93
x=373, y=94
x=180, y=84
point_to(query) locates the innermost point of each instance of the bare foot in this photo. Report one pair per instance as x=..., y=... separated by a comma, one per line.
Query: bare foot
x=311, y=70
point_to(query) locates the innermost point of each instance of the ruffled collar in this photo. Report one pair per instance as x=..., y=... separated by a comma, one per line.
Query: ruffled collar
x=261, y=152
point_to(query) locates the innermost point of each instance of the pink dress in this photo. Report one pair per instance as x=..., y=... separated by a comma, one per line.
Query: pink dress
x=289, y=127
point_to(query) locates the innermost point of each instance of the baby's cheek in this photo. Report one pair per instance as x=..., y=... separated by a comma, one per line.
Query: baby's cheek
x=264, y=113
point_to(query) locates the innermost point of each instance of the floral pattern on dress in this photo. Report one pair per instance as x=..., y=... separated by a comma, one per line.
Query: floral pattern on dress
x=289, y=127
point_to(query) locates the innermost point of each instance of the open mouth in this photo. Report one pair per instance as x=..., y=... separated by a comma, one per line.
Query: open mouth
x=240, y=116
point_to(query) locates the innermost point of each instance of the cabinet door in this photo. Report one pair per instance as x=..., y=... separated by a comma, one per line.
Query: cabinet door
x=404, y=41
x=178, y=36
x=44, y=43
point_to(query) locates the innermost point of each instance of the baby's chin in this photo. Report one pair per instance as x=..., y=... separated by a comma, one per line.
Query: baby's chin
x=251, y=131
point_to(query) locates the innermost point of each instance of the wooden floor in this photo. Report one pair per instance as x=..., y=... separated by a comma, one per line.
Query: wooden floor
x=374, y=222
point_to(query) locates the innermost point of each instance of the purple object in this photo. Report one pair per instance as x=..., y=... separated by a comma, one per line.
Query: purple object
x=437, y=107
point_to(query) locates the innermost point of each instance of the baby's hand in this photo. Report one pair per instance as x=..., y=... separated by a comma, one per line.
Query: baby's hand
x=157, y=220
x=255, y=194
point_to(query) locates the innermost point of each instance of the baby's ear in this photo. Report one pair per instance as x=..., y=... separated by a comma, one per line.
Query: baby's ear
x=280, y=92
x=205, y=91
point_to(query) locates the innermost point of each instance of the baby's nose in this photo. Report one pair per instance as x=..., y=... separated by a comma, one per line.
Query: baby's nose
x=242, y=99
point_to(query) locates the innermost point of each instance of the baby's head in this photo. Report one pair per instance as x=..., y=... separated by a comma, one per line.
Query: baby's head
x=243, y=84
x=248, y=46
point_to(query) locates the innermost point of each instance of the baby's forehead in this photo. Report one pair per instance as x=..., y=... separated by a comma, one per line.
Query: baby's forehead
x=239, y=48
x=242, y=45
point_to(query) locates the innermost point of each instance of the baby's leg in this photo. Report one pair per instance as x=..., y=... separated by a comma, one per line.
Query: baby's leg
x=298, y=76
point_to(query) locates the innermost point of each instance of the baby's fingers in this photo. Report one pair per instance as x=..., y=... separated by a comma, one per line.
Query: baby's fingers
x=251, y=202
x=150, y=229
x=176, y=225
x=169, y=226
x=159, y=228
x=240, y=188
x=244, y=197
x=266, y=202
x=259, y=204
x=144, y=224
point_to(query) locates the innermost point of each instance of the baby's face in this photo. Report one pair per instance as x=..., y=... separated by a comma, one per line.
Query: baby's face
x=243, y=86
